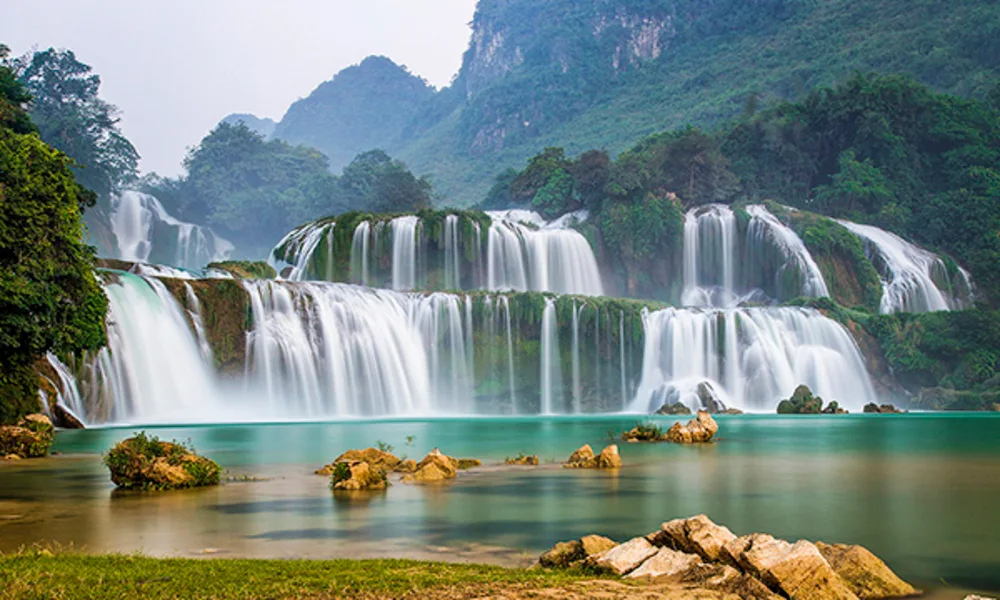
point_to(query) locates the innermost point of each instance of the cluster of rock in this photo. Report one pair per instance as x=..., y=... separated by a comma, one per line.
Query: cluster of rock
x=708, y=400
x=699, y=430
x=523, y=460
x=368, y=469
x=584, y=458
x=146, y=463
x=31, y=437
x=698, y=553
x=803, y=402
x=885, y=409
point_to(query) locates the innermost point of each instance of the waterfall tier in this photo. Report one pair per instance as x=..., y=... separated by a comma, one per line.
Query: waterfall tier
x=510, y=250
x=145, y=232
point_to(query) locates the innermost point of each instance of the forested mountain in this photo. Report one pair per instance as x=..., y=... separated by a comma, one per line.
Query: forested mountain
x=263, y=126
x=604, y=74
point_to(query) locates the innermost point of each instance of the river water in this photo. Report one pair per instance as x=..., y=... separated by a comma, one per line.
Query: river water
x=919, y=490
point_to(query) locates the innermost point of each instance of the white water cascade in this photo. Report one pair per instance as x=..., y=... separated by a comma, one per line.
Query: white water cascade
x=405, y=233
x=913, y=279
x=710, y=240
x=139, y=222
x=551, y=364
x=300, y=247
x=752, y=358
x=794, y=271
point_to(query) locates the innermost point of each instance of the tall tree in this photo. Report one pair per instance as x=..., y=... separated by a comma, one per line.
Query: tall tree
x=71, y=116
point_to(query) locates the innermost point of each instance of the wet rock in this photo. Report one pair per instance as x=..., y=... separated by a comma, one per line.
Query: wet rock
x=373, y=456
x=609, y=458
x=625, y=558
x=563, y=554
x=802, y=402
x=31, y=437
x=833, y=408
x=697, y=535
x=357, y=475
x=675, y=408
x=644, y=432
x=698, y=430
x=709, y=399
x=885, y=409
x=863, y=572
x=433, y=468
x=66, y=419
x=145, y=462
x=795, y=570
x=522, y=460
x=666, y=563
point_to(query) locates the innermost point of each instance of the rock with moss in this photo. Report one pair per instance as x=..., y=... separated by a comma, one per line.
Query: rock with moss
x=434, y=467
x=145, y=462
x=379, y=459
x=242, y=269
x=358, y=475
x=699, y=430
x=644, y=432
x=522, y=460
x=833, y=408
x=884, y=409
x=31, y=437
x=674, y=408
x=802, y=402
x=953, y=400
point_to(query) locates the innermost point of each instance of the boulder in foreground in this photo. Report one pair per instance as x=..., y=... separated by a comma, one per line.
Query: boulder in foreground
x=863, y=572
x=699, y=430
x=146, y=463
x=30, y=438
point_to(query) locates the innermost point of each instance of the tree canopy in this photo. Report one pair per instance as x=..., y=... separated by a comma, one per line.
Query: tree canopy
x=49, y=297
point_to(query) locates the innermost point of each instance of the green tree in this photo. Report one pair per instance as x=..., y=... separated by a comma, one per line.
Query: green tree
x=374, y=182
x=72, y=117
x=49, y=297
x=856, y=185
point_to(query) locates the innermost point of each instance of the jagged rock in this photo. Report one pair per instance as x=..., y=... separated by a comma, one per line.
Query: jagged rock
x=863, y=572
x=563, y=554
x=594, y=545
x=522, y=460
x=624, y=558
x=373, y=456
x=30, y=438
x=675, y=408
x=407, y=466
x=666, y=563
x=144, y=462
x=698, y=430
x=709, y=399
x=802, y=402
x=697, y=535
x=434, y=467
x=468, y=463
x=584, y=458
x=795, y=570
x=609, y=458
x=885, y=409
x=66, y=419
x=724, y=578
x=358, y=475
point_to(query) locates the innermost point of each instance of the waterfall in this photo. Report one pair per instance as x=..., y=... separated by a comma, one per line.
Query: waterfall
x=68, y=392
x=298, y=249
x=551, y=364
x=404, y=252
x=752, y=358
x=139, y=222
x=913, y=279
x=795, y=273
x=576, y=358
x=709, y=256
x=452, y=262
x=360, y=251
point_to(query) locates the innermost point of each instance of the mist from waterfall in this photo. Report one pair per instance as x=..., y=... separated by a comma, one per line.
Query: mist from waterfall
x=145, y=232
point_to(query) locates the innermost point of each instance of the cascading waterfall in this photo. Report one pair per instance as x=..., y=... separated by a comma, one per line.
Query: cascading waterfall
x=67, y=392
x=405, y=232
x=710, y=256
x=551, y=367
x=300, y=246
x=452, y=260
x=138, y=220
x=773, y=248
x=913, y=279
x=750, y=358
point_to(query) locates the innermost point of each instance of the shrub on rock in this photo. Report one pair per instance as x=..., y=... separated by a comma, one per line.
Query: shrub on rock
x=358, y=475
x=522, y=460
x=144, y=462
x=802, y=402
x=373, y=456
x=31, y=437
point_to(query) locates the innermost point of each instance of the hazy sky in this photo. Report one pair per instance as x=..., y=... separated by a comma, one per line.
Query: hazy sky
x=175, y=67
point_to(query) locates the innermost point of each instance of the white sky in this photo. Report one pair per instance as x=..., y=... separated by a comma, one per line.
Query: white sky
x=175, y=67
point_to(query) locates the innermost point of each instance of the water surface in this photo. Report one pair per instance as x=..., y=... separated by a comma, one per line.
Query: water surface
x=918, y=490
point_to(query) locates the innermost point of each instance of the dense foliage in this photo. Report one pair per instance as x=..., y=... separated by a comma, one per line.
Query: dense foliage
x=49, y=298
x=71, y=117
x=254, y=190
x=884, y=150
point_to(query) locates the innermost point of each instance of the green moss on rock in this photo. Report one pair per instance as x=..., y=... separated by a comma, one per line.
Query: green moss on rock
x=31, y=437
x=242, y=269
x=146, y=463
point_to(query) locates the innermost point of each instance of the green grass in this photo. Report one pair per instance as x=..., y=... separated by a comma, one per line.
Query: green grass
x=39, y=574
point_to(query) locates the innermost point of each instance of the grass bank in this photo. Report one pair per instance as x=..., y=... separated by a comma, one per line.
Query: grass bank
x=40, y=574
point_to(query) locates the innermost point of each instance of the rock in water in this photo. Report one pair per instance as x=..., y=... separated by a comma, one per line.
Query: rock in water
x=144, y=462
x=584, y=458
x=30, y=438
x=709, y=399
x=66, y=419
x=522, y=460
x=357, y=475
x=434, y=467
x=802, y=402
x=625, y=558
x=675, y=408
x=609, y=458
x=796, y=570
x=885, y=409
x=864, y=573
x=698, y=430
x=373, y=456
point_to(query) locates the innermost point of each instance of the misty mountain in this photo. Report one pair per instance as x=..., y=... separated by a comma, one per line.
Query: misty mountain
x=263, y=126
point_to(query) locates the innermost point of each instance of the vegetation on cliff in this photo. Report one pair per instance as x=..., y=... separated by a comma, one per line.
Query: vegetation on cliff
x=49, y=297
